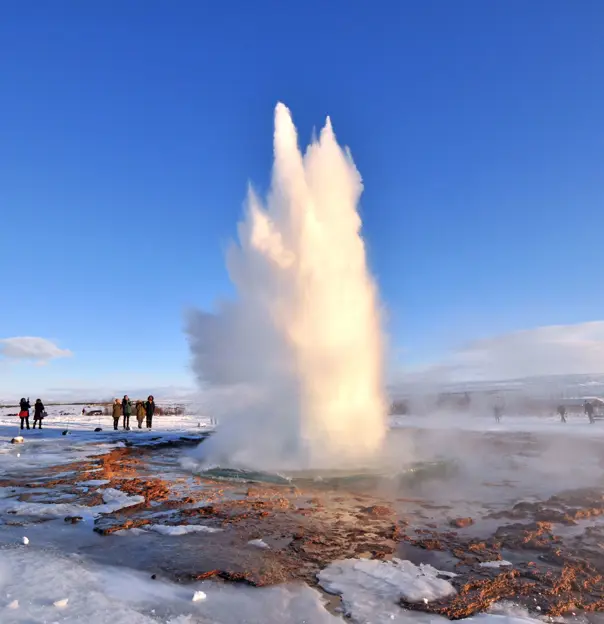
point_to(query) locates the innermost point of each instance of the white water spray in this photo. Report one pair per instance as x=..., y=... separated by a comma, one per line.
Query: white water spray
x=296, y=362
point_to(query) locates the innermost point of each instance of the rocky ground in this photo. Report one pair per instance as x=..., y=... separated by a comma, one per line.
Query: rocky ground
x=545, y=554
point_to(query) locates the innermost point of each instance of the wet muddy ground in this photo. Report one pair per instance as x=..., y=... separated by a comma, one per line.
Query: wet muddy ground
x=508, y=500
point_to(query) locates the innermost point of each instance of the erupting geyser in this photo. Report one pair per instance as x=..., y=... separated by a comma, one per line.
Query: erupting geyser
x=296, y=361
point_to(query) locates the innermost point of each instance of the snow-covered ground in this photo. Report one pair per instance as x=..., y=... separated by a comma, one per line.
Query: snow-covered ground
x=33, y=581
x=577, y=425
x=49, y=447
x=40, y=586
x=41, y=582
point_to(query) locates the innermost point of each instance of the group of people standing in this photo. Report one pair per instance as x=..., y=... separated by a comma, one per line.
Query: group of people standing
x=143, y=410
x=588, y=408
x=39, y=413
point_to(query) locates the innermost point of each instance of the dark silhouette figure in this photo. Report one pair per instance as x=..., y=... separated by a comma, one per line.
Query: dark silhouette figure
x=126, y=411
x=562, y=413
x=589, y=412
x=24, y=413
x=498, y=412
x=150, y=410
x=39, y=413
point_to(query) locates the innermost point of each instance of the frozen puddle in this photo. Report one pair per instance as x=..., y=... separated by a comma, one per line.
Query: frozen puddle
x=170, y=530
x=94, y=482
x=40, y=587
x=495, y=564
x=43, y=587
x=114, y=500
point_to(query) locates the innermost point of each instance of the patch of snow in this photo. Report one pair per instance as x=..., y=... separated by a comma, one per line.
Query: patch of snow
x=94, y=482
x=180, y=529
x=116, y=500
x=258, y=543
x=495, y=564
x=510, y=615
x=7, y=492
x=199, y=595
x=134, y=531
x=371, y=589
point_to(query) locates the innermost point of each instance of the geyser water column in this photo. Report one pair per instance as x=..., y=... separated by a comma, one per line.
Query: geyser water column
x=296, y=361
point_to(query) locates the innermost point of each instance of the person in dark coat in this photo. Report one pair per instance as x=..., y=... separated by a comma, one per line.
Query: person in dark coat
x=117, y=412
x=24, y=413
x=589, y=412
x=150, y=410
x=562, y=413
x=126, y=411
x=38, y=413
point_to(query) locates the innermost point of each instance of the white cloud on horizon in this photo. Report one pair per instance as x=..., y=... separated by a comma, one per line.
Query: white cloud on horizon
x=543, y=351
x=30, y=348
x=550, y=350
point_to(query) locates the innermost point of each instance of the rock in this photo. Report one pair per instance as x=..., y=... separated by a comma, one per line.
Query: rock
x=460, y=523
x=25, y=541
x=61, y=604
x=66, y=432
x=73, y=519
x=98, y=430
x=153, y=577
x=199, y=595
x=17, y=440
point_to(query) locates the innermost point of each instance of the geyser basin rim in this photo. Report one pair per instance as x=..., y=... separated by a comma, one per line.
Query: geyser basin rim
x=415, y=469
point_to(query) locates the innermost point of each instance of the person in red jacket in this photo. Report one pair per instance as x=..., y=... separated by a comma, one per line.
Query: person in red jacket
x=24, y=413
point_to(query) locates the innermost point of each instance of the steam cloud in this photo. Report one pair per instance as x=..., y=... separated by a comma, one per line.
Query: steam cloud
x=296, y=361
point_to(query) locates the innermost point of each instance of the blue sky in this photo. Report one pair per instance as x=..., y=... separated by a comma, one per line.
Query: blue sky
x=129, y=130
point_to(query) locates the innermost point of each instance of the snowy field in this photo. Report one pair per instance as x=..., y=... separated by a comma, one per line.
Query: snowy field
x=46, y=575
x=50, y=447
